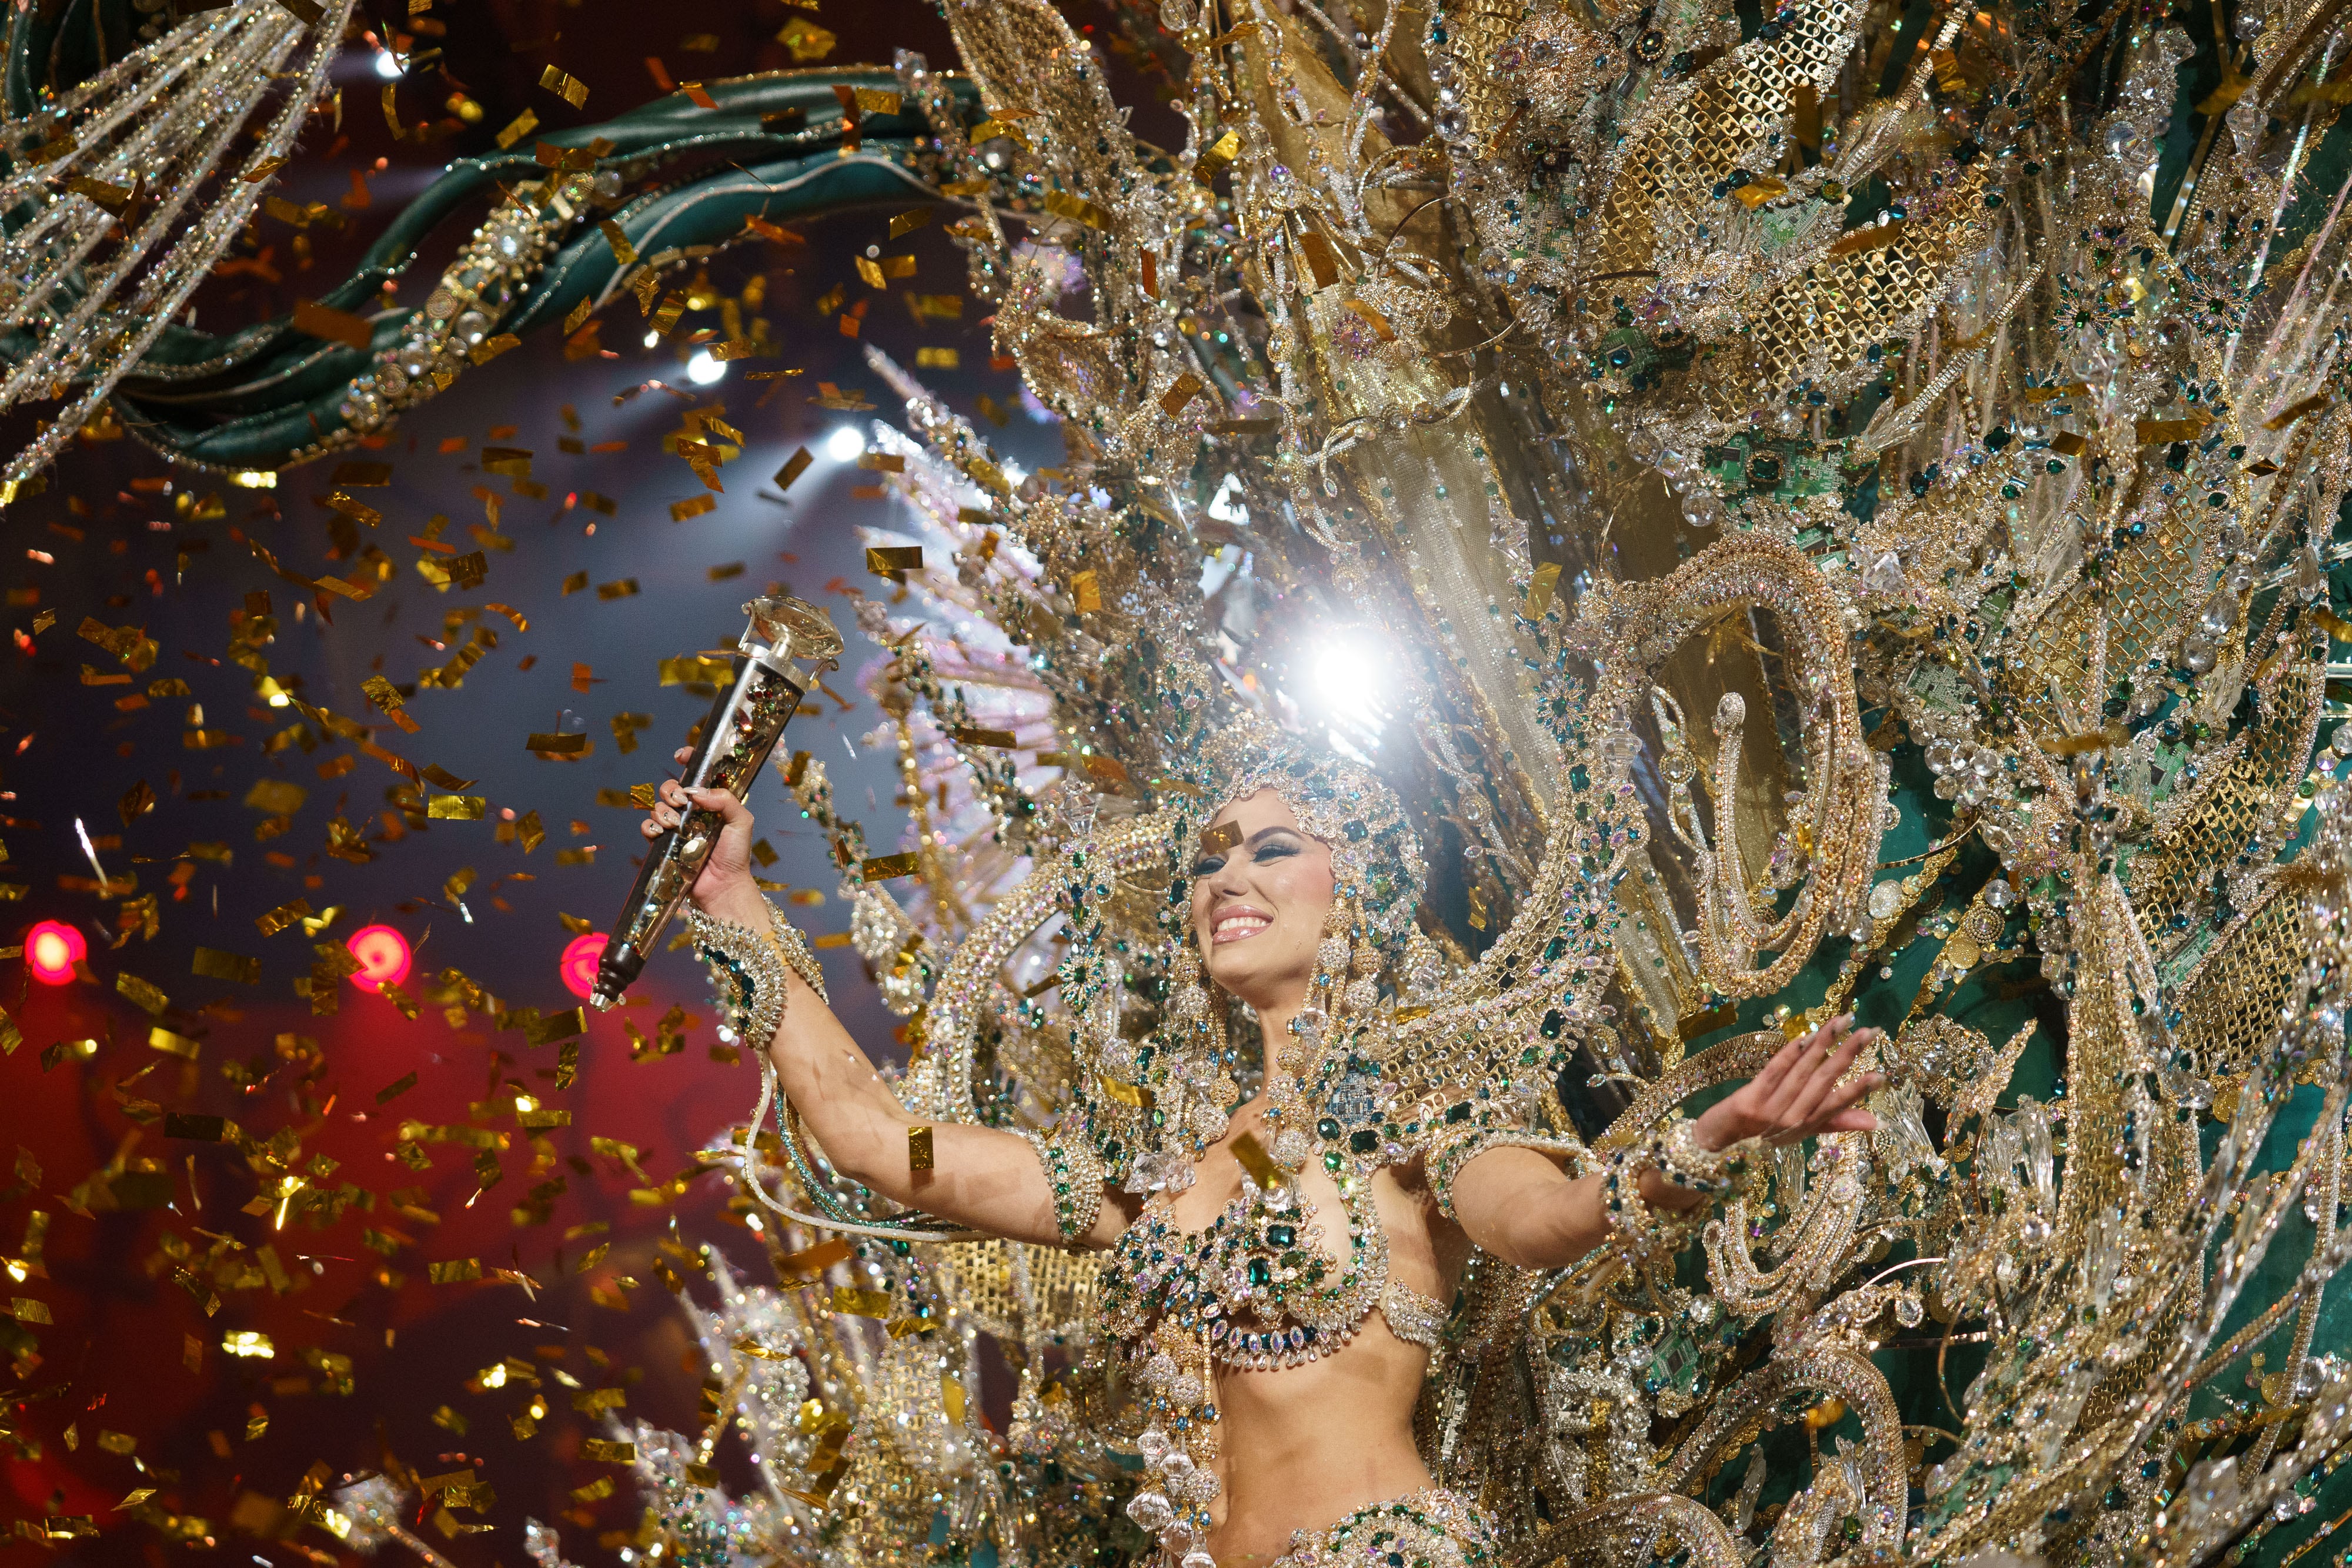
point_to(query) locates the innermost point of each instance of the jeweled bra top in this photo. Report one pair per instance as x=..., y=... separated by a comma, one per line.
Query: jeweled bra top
x=1256, y=1285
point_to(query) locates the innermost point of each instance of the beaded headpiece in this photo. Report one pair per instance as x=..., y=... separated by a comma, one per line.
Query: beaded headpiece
x=1375, y=855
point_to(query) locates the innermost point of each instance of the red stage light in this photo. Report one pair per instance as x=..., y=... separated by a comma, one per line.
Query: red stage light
x=578, y=963
x=52, y=948
x=382, y=954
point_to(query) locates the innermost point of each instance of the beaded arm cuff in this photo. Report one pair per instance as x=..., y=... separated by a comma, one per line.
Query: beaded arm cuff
x=1680, y=1159
x=1640, y=1236
x=748, y=968
x=1077, y=1181
x=1453, y=1146
x=795, y=948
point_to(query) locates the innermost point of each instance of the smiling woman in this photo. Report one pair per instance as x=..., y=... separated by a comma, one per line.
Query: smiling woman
x=1317, y=1227
x=1258, y=906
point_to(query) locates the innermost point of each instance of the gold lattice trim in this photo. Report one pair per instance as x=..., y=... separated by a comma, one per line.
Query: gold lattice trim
x=1678, y=161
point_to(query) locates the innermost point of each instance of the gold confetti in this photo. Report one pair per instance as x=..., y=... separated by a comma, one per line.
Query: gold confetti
x=853, y=1301
x=335, y=326
x=565, y=85
x=1182, y=391
x=805, y=40
x=215, y=965
x=1077, y=209
x=919, y=1148
x=1257, y=1162
x=2296, y=410
x=171, y=1044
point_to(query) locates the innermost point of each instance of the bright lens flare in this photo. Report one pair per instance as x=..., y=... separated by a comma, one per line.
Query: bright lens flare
x=704, y=369
x=1349, y=676
x=382, y=955
x=845, y=445
x=578, y=964
x=52, y=948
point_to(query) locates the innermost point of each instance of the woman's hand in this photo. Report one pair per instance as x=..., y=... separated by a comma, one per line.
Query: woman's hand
x=1798, y=1095
x=725, y=888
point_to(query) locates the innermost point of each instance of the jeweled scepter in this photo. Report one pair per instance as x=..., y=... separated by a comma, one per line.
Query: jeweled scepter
x=743, y=727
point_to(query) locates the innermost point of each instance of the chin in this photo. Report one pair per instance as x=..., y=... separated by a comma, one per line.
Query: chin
x=1243, y=977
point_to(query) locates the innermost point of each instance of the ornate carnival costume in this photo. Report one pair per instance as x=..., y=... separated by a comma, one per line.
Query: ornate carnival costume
x=1860, y=384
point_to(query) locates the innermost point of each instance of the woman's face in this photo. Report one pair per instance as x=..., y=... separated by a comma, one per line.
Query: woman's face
x=1258, y=905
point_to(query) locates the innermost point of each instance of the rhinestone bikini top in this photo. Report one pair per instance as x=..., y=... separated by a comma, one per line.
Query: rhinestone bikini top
x=1256, y=1285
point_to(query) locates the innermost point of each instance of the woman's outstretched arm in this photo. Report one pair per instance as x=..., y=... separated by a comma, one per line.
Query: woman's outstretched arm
x=981, y=1177
x=1518, y=1205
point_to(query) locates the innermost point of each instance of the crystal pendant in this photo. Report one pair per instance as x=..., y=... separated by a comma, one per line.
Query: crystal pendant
x=1151, y=1510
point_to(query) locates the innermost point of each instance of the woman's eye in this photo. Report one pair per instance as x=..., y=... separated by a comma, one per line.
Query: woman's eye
x=1209, y=866
x=1276, y=849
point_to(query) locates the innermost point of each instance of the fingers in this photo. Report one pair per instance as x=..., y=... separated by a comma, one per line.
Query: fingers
x=1843, y=1112
x=1849, y=1121
x=1816, y=1097
x=1790, y=1071
x=1767, y=1082
x=730, y=811
x=1785, y=1061
x=683, y=755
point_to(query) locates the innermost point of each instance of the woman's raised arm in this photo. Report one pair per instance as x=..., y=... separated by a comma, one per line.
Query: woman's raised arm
x=1518, y=1205
x=980, y=1177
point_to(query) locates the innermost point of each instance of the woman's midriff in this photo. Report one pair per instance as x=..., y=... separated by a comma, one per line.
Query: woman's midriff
x=1306, y=1447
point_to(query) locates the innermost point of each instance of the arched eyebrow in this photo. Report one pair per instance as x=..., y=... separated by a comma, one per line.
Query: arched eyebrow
x=1264, y=833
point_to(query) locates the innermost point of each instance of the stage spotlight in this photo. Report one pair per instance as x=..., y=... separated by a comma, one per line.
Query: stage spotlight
x=382, y=954
x=387, y=65
x=1350, y=675
x=845, y=445
x=578, y=964
x=704, y=369
x=52, y=948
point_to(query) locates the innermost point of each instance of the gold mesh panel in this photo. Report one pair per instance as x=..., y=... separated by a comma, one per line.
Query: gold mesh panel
x=1699, y=140
x=2229, y=1006
x=1480, y=28
x=1059, y=1294
x=2147, y=590
x=1846, y=303
x=2172, y=875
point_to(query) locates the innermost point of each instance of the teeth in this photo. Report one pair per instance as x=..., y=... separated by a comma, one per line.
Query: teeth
x=1241, y=923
